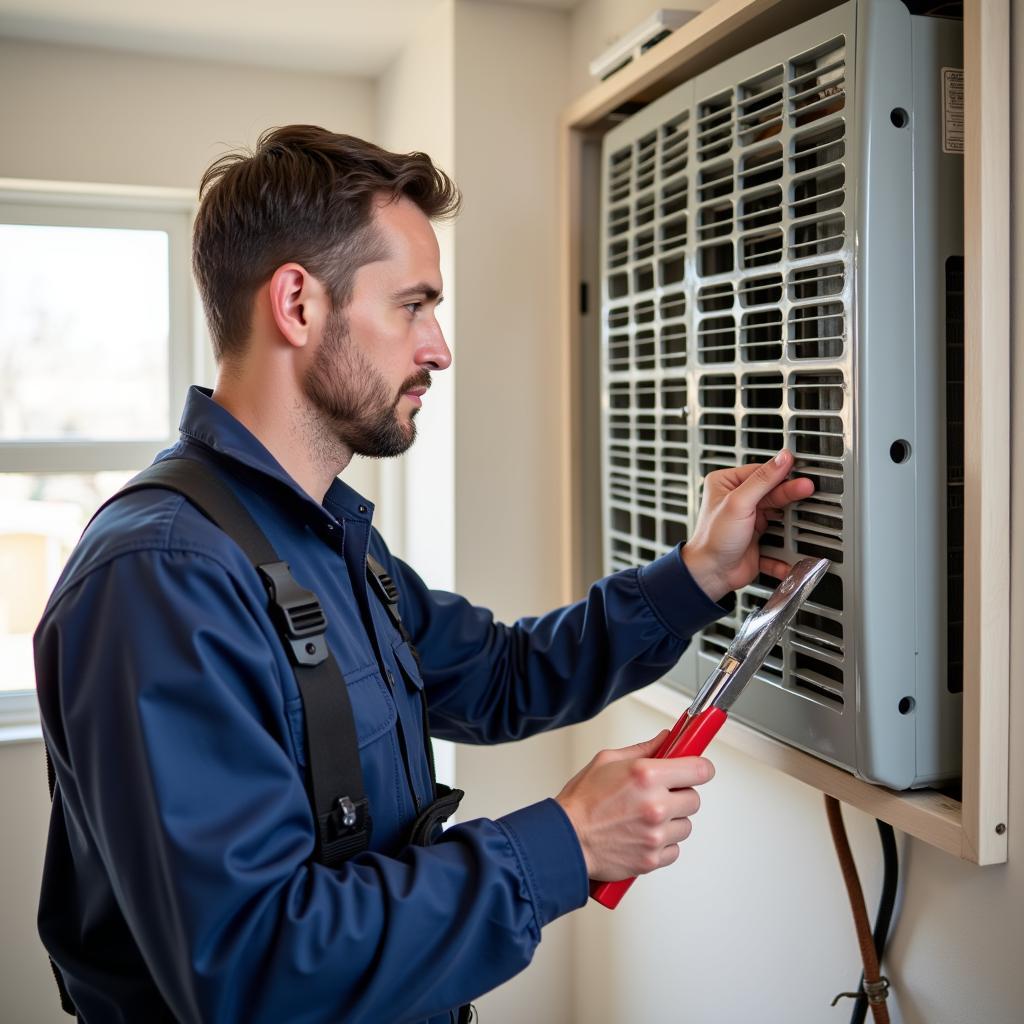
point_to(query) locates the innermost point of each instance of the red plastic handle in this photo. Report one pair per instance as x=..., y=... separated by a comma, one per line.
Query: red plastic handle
x=688, y=738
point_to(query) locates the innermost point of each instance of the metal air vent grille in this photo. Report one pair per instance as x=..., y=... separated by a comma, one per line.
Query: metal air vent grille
x=741, y=314
x=738, y=328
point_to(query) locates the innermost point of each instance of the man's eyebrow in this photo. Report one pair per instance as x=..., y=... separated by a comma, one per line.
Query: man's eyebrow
x=427, y=291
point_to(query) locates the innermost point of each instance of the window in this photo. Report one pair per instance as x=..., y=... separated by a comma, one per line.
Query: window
x=99, y=338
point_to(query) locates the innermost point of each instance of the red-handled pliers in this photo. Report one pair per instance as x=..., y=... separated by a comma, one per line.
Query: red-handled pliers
x=760, y=632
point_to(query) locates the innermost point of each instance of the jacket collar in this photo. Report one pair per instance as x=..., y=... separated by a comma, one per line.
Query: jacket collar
x=205, y=422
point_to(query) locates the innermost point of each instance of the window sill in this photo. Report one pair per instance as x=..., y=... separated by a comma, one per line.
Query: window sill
x=19, y=717
x=20, y=732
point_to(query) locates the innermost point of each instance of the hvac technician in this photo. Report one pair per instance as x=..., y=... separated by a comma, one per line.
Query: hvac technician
x=185, y=875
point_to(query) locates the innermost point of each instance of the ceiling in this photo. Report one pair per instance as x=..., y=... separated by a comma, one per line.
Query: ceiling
x=354, y=37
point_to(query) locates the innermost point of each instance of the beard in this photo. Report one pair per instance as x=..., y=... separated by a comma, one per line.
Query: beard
x=352, y=398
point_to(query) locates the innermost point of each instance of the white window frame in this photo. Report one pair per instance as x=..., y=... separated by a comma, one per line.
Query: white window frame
x=67, y=204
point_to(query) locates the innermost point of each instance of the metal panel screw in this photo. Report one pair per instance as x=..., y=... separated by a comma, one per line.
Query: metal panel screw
x=1000, y=829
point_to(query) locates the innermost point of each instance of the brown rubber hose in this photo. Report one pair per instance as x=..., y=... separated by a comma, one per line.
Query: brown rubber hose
x=875, y=986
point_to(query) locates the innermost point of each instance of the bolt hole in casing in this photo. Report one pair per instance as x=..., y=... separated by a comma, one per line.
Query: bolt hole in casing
x=782, y=266
x=899, y=452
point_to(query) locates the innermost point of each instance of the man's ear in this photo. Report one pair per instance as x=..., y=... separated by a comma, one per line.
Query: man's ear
x=299, y=304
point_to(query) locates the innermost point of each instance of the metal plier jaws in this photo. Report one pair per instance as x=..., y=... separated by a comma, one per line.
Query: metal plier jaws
x=761, y=631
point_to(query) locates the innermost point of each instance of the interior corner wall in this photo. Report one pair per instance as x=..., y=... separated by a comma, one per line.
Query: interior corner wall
x=416, y=111
x=511, y=85
x=510, y=91
x=752, y=922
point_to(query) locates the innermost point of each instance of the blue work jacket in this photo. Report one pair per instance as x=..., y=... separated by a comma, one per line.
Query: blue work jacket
x=178, y=881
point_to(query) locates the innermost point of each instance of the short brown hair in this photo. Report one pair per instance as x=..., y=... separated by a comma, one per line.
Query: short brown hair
x=305, y=195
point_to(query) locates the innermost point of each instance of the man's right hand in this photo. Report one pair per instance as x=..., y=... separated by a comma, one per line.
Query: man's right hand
x=631, y=810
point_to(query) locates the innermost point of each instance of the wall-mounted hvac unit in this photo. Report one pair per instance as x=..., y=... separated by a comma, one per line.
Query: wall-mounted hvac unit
x=781, y=258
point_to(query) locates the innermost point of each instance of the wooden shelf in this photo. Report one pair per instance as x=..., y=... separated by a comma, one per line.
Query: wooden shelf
x=930, y=816
x=975, y=828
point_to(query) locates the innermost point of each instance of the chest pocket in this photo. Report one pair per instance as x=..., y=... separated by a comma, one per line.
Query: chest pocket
x=372, y=708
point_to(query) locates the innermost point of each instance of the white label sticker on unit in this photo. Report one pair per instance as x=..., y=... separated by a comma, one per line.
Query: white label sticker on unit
x=952, y=110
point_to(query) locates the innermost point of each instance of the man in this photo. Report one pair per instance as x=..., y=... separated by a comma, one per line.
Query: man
x=180, y=880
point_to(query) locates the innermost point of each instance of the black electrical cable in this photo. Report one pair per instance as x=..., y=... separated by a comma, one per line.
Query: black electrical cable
x=883, y=919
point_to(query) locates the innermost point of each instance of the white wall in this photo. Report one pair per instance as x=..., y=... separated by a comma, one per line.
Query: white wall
x=77, y=114
x=416, y=111
x=28, y=994
x=89, y=115
x=508, y=403
x=510, y=86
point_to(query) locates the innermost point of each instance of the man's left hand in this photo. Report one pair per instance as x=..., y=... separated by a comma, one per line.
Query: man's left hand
x=723, y=553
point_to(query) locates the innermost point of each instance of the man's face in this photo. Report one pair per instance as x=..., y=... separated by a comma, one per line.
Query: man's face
x=374, y=360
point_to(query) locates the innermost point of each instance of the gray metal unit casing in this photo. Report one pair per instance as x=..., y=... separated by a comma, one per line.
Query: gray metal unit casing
x=774, y=251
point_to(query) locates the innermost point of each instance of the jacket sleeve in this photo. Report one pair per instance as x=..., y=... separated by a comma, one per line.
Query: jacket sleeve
x=172, y=751
x=488, y=682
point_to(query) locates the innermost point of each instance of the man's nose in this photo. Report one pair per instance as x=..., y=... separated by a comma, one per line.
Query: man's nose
x=433, y=353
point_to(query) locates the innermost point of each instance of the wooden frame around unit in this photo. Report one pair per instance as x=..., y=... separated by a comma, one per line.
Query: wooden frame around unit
x=975, y=827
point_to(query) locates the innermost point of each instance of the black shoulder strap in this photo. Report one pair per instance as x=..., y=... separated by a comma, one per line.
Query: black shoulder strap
x=335, y=778
x=381, y=582
x=427, y=826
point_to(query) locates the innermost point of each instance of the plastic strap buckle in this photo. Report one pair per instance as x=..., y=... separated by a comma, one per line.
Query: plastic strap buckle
x=384, y=585
x=296, y=612
x=429, y=821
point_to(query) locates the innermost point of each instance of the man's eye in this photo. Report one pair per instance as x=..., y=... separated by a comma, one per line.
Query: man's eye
x=413, y=307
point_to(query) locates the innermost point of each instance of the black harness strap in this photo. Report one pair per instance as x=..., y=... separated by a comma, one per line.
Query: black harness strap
x=381, y=581
x=335, y=775
x=446, y=800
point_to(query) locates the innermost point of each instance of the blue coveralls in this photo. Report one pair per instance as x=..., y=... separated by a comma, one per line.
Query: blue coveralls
x=178, y=882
